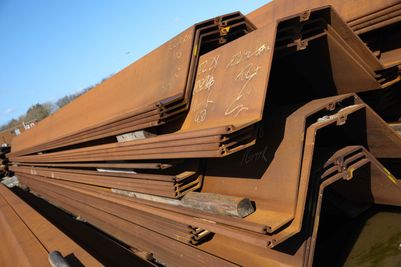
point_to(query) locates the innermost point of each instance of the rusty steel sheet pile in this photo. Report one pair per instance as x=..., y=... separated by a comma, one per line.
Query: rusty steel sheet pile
x=28, y=238
x=5, y=137
x=376, y=22
x=226, y=145
x=166, y=98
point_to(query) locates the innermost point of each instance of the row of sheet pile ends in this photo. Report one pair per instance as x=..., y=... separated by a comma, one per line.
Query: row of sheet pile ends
x=217, y=148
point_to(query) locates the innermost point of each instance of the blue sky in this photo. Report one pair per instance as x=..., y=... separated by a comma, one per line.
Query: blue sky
x=51, y=48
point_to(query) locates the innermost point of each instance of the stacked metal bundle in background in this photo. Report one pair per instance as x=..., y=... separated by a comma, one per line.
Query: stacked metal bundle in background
x=232, y=143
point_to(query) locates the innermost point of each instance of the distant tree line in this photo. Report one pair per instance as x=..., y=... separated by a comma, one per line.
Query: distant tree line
x=38, y=111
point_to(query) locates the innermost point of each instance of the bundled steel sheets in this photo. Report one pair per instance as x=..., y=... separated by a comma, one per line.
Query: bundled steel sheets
x=227, y=140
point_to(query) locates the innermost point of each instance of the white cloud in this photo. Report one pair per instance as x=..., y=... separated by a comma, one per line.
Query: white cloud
x=8, y=111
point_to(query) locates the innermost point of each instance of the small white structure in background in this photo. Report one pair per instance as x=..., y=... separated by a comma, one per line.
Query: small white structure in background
x=28, y=125
x=17, y=131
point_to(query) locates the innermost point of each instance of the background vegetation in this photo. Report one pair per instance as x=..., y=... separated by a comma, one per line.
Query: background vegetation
x=39, y=111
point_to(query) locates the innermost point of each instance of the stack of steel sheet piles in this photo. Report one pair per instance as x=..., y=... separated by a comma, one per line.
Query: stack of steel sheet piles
x=166, y=98
x=28, y=239
x=376, y=22
x=226, y=145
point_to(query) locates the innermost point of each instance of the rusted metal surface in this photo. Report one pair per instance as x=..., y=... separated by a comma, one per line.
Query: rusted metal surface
x=166, y=96
x=354, y=11
x=345, y=49
x=279, y=184
x=253, y=239
x=5, y=137
x=20, y=245
x=30, y=237
x=111, y=166
x=214, y=142
x=131, y=233
x=179, y=231
x=84, y=108
x=268, y=115
x=376, y=19
x=396, y=127
x=383, y=141
x=344, y=173
x=173, y=186
x=362, y=16
x=243, y=67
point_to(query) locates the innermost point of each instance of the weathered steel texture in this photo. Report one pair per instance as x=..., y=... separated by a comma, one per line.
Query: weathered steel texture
x=345, y=49
x=252, y=162
x=309, y=153
x=172, y=99
x=21, y=248
x=362, y=16
x=164, y=248
x=312, y=144
x=327, y=104
x=30, y=237
x=175, y=56
x=212, y=142
x=376, y=20
x=108, y=165
x=382, y=140
x=384, y=187
x=396, y=127
x=353, y=10
x=240, y=70
x=207, y=81
x=342, y=173
x=6, y=136
x=242, y=75
x=245, y=66
x=257, y=114
x=321, y=19
x=279, y=189
x=336, y=119
x=161, y=185
x=276, y=191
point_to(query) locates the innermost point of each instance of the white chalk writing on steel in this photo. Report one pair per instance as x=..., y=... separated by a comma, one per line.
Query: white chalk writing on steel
x=244, y=77
x=241, y=56
x=204, y=83
x=179, y=40
x=177, y=53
